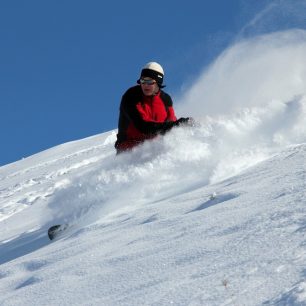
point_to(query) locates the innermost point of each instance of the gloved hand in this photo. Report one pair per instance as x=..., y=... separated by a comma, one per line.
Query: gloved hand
x=185, y=121
x=167, y=126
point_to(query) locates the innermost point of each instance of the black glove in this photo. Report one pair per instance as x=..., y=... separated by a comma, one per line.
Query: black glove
x=167, y=126
x=184, y=121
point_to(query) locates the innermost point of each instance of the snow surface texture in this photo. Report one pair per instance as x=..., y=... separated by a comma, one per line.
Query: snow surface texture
x=208, y=215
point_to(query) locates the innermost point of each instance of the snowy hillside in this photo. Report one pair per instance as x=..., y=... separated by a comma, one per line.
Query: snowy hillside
x=208, y=215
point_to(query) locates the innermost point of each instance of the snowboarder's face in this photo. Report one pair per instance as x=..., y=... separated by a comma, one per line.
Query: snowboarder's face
x=149, y=86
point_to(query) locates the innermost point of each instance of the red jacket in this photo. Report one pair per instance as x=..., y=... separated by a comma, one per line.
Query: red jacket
x=143, y=117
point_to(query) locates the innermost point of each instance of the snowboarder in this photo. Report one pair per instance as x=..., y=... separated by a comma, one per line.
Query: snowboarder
x=145, y=110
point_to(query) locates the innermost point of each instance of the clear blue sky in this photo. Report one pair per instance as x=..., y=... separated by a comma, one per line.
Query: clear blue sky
x=64, y=65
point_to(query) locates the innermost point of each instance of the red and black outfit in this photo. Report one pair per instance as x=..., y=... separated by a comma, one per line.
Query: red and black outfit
x=142, y=117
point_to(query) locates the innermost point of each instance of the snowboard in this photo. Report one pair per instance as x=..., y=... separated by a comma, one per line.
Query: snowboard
x=55, y=230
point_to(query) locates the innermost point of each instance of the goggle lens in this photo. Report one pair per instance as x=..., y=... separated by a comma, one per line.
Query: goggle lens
x=147, y=82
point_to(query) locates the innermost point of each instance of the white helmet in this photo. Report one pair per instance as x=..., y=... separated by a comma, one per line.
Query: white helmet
x=153, y=70
x=154, y=66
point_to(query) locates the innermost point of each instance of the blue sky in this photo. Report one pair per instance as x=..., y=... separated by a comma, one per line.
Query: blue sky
x=64, y=65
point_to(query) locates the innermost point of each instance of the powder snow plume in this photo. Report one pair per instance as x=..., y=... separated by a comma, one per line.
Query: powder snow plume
x=251, y=73
x=253, y=95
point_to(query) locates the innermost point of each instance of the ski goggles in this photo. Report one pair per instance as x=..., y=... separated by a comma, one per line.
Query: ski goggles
x=147, y=82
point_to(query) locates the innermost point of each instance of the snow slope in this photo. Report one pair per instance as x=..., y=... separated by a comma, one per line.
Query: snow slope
x=208, y=215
